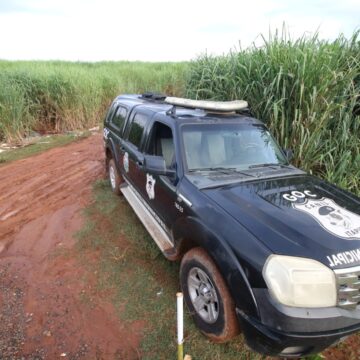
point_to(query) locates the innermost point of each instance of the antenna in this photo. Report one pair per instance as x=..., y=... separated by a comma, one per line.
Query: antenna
x=172, y=111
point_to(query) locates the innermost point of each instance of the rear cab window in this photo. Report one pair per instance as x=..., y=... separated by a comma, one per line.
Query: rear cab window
x=110, y=113
x=118, y=117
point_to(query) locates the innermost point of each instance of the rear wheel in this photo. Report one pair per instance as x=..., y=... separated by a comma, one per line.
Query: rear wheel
x=207, y=296
x=114, y=177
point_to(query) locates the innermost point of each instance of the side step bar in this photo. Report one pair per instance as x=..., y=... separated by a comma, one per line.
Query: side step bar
x=159, y=235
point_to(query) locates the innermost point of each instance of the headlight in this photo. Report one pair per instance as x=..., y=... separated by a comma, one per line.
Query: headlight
x=300, y=282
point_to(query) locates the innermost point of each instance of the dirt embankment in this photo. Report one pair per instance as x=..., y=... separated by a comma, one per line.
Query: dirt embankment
x=49, y=307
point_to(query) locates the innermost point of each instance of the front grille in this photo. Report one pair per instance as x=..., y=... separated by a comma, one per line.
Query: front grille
x=348, y=287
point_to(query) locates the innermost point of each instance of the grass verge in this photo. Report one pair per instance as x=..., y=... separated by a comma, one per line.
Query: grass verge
x=39, y=145
x=142, y=282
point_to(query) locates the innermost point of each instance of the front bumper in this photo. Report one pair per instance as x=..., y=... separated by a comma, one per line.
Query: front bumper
x=286, y=331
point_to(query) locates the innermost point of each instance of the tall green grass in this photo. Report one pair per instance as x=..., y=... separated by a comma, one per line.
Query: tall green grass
x=307, y=91
x=57, y=96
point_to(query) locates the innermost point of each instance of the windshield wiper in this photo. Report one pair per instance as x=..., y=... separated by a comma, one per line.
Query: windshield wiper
x=267, y=165
x=224, y=170
x=215, y=168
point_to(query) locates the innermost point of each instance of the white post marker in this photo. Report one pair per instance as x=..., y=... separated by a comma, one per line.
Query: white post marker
x=180, y=325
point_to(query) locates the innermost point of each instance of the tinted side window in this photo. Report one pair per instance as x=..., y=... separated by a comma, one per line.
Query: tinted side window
x=119, y=119
x=137, y=129
x=110, y=113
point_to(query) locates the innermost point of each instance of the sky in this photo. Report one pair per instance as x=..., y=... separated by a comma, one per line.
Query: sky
x=159, y=30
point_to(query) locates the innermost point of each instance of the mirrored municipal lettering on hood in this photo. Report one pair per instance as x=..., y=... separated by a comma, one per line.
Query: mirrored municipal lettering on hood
x=344, y=258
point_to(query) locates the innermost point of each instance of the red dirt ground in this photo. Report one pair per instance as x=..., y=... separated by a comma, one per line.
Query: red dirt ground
x=49, y=307
x=48, y=304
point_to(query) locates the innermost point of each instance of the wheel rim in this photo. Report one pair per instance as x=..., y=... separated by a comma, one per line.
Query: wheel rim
x=112, y=177
x=203, y=295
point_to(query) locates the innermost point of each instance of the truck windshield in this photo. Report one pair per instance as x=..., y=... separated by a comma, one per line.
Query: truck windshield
x=229, y=146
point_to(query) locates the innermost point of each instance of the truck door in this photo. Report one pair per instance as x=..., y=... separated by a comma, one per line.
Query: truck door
x=161, y=190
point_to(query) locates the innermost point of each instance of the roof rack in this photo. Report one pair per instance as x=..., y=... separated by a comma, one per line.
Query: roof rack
x=211, y=106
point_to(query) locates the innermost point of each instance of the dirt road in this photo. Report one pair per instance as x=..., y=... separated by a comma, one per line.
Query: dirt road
x=43, y=314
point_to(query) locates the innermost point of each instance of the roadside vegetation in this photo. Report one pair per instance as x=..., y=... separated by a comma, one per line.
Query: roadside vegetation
x=306, y=90
x=54, y=96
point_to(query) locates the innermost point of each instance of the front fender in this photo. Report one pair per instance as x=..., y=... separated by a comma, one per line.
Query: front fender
x=192, y=229
x=112, y=148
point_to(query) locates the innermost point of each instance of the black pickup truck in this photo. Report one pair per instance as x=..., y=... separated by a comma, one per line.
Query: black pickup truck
x=265, y=248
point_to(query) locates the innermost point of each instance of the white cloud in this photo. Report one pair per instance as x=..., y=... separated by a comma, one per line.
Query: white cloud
x=157, y=30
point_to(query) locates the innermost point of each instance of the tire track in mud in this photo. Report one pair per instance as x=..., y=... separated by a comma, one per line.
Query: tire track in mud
x=31, y=187
x=41, y=199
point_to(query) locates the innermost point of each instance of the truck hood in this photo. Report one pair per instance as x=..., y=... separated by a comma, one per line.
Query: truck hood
x=297, y=216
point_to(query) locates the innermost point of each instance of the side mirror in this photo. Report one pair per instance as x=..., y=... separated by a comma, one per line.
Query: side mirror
x=289, y=154
x=156, y=165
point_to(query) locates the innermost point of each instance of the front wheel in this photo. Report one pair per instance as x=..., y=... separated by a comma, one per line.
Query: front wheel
x=207, y=296
x=115, y=177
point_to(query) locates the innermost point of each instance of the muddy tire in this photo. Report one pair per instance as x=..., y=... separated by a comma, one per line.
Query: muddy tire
x=207, y=296
x=114, y=177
